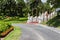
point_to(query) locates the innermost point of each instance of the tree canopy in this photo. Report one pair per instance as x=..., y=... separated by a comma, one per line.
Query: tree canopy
x=55, y=3
x=20, y=8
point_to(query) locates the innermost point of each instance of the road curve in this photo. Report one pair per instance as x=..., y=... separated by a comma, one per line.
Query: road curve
x=36, y=32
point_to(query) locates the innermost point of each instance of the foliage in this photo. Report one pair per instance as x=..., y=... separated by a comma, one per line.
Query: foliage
x=11, y=7
x=55, y=3
x=54, y=22
x=1, y=17
x=20, y=8
x=14, y=20
x=4, y=26
x=14, y=35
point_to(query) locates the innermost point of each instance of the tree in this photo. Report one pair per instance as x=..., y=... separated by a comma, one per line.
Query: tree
x=55, y=3
x=20, y=7
x=34, y=7
x=7, y=6
x=12, y=7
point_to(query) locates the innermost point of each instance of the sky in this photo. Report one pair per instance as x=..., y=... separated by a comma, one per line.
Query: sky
x=57, y=9
x=41, y=0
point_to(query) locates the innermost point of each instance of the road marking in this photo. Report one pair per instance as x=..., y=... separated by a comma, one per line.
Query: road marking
x=34, y=31
x=41, y=38
x=37, y=34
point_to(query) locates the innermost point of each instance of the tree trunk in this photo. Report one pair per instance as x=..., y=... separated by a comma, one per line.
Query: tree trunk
x=21, y=13
x=57, y=14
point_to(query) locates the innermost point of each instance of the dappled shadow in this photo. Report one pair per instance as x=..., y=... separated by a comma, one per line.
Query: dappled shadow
x=54, y=22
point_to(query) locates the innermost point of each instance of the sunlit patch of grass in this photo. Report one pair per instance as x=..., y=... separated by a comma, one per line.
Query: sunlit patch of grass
x=14, y=35
x=20, y=20
x=58, y=27
x=44, y=23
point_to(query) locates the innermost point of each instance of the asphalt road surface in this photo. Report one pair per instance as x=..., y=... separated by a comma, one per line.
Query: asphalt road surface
x=37, y=32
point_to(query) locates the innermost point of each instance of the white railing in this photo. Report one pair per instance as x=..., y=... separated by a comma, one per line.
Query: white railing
x=41, y=18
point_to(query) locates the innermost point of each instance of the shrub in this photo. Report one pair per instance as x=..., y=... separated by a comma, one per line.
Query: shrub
x=11, y=18
x=1, y=17
x=4, y=26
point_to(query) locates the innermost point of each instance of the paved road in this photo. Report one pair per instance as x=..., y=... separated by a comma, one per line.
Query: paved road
x=37, y=32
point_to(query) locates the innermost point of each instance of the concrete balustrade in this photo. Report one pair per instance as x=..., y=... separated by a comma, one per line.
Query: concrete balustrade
x=42, y=17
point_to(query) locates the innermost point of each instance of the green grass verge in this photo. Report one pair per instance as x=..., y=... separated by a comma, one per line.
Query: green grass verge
x=16, y=21
x=58, y=27
x=20, y=20
x=44, y=23
x=14, y=35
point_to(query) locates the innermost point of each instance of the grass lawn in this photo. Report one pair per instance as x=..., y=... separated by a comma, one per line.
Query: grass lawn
x=58, y=27
x=16, y=21
x=14, y=35
x=44, y=23
x=20, y=20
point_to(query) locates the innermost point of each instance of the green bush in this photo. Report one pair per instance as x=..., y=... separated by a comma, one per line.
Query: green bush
x=54, y=21
x=11, y=18
x=4, y=26
x=1, y=17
